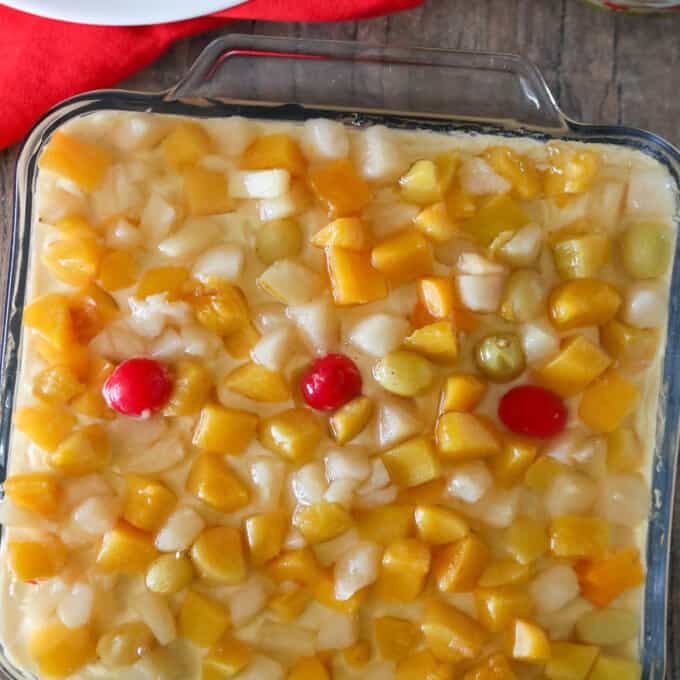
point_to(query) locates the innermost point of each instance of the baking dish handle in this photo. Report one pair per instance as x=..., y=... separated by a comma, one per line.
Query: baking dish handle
x=321, y=74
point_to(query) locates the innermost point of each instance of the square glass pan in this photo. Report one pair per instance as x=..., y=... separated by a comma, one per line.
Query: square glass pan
x=361, y=85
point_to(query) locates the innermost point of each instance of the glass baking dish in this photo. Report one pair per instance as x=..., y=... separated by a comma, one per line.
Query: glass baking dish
x=360, y=85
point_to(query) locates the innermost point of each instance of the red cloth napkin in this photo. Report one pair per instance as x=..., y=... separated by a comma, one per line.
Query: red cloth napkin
x=44, y=61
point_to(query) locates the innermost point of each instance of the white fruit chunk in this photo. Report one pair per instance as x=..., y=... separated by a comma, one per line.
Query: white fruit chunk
x=318, y=323
x=268, y=476
x=324, y=139
x=469, y=482
x=273, y=350
x=97, y=515
x=480, y=293
x=259, y=183
x=347, y=463
x=539, y=341
x=155, y=612
x=522, y=248
x=195, y=235
x=309, y=483
x=247, y=601
x=232, y=135
x=379, y=334
x=224, y=262
x=624, y=500
x=477, y=177
x=644, y=305
x=157, y=218
x=356, y=569
x=75, y=608
x=554, y=588
x=285, y=638
x=179, y=530
x=379, y=157
x=397, y=421
x=291, y=282
x=571, y=493
x=123, y=234
x=650, y=192
x=337, y=631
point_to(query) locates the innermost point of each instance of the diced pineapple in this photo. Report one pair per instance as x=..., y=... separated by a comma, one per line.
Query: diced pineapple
x=423, y=665
x=527, y=642
x=224, y=430
x=526, y=540
x=308, y=668
x=218, y=555
x=580, y=256
x=73, y=261
x=351, y=419
x=36, y=559
x=321, y=522
x=191, y=384
x=84, y=451
x=462, y=436
x=212, y=481
x=579, y=362
x=542, y=472
x=569, y=661
x=436, y=294
x=386, y=524
x=437, y=525
x=38, y=492
x=91, y=402
x=412, y=463
x=117, y=270
x=579, y=537
x=91, y=310
x=358, y=655
x=345, y=232
x=494, y=667
x=633, y=348
x=125, y=644
x=420, y=184
x=291, y=282
x=436, y=223
x=571, y=172
x=510, y=465
x=450, y=634
x=458, y=566
x=395, y=638
x=616, y=392
x=265, y=534
x=293, y=434
x=60, y=651
x=221, y=307
x=258, y=383
x=226, y=658
x=498, y=607
x=288, y=605
x=504, y=573
x=185, y=145
x=462, y=392
x=50, y=315
x=354, y=281
x=405, y=565
x=126, y=550
x=582, y=302
x=206, y=191
x=403, y=257
x=47, y=425
x=148, y=503
x=295, y=565
x=625, y=451
x=340, y=188
x=202, y=620
x=82, y=163
x=274, y=151
x=169, y=280
x=437, y=341
x=518, y=170
x=500, y=213
x=615, y=668
x=169, y=574
x=269, y=185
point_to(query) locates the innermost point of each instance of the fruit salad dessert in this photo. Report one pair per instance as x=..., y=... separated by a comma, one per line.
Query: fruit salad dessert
x=308, y=402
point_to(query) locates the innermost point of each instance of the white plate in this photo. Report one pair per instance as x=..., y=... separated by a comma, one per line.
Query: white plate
x=121, y=12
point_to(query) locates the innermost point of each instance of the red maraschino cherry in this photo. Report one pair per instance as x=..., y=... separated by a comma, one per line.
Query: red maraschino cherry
x=137, y=387
x=533, y=411
x=330, y=382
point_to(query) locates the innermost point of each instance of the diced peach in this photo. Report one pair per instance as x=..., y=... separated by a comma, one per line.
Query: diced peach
x=510, y=465
x=293, y=434
x=38, y=492
x=429, y=493
x=212, y=481
x=437, y=341
x=75, y=226
x=47, y=425
x=226, y=658
x=80, y=162
x=308, y=668
x=427, y=180
x=91, y=402
x=206, y=191
x=258, y=383
x=450, y=634
x=462, y=392
x=458, y=566
x=57, y=384
x=185, y=145
x=239, y=342
x=405, y=565
x=75, y=357
x=462, y=436
x=494, y=667
x=202, y=620
x=340, y=188
x=354, y=281
x=616, y=392
x=191, y=384
x=498, y=607
x=73, y=261
x=274, y=151
x=500, y=213
x=569, y=661
x=223, y=309
x=218, y=555
x=50, y=315
x=36, y=559
x=602, y=581
x=424, y=665
x=527, y=642
x=324, y=593
x=224, y=430
x=358, y=655
x=413, y=462
x=351, y=419
x=541, y=473
x=577, y=537
x=633, y=348
x=170, y=280
x=117, y=270
x=345, y=232
x=403, y=257
x=526, y=539
x=625, y=451
x=91, y=310
x=504, y=573
x=60, y=651
x=386, y=523
x=571, y=172
x=459, y=203
x=295, y=565
x=265, y=534
x=615, y=668
x=288, y=605
x=322, y=522
x=148, y=503
x=125, y=550
x=437, y=525
x=436, y=223
x=517, y=169
x=582, y=302
x=437, y=295
x=84, y=451
x=395, y=638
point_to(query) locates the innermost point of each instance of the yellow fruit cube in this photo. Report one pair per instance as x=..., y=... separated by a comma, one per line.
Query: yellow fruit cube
x=405, y=565
x=339, y=187
x=420, y=184
x=358, y=655
x=511, y=464
x=577, y=537
x=258, y=383
x=500, y=213
x=222, y=308
x=38, y=559
x=239, y=342
x=185, y=145
x=295, y=565
x=74, y=357
x=436, y=223
x=224, y=430
x=437, y=341
x=218, y=555
x=403, y=257
x=462, y=393
x=265, y=534
x=287, y=606
x=308, y=668
x=386, y=523
x=75, y=226
x=126, y=550
x=226, y=658
x=517, y=169
x=38, y=492
x=202, y=620
x=60, y=651
x=274, y=151
x=498, y=607
x=460, y=204
x=613, y=390
x=84, y=451
x=450, y=634
x=494, y=667
x=80, y=162
x=351, y=419
x=625, y=451
x=437, y=295
x=170, y=280
x=148, y=503
x=462, y=436
x=526, y=539
x=437, y=525
x=633, y=348
x=569, y=661
x=125, y=644
x=73, y=261
x=293, y=434
x=206, y=191
x=412, y=463
x=579, y=362
x=581, y=256
x=504, y=573
x=91, y=310
x=430, y=493
x=212, y=481
x=345, y=232
x=321, y=522
x=571, y=172
x=527, y=642
x=46, y=425
x=57, y=384
x=50, y=315
x=395, y=638
x=91, y=402
x=324, y=593
x=423, y=665
x=458, y=566
x=191, y=385
x=354, y=281
x=582, y=302
x=170, y=573
x=615, y=668
x=542, y=472
x=117, y=270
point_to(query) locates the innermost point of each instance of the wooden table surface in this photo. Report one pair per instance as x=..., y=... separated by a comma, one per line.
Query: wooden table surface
x=602, y=68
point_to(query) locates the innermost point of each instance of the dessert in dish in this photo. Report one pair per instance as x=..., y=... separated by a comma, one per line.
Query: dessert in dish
x=307, y=401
